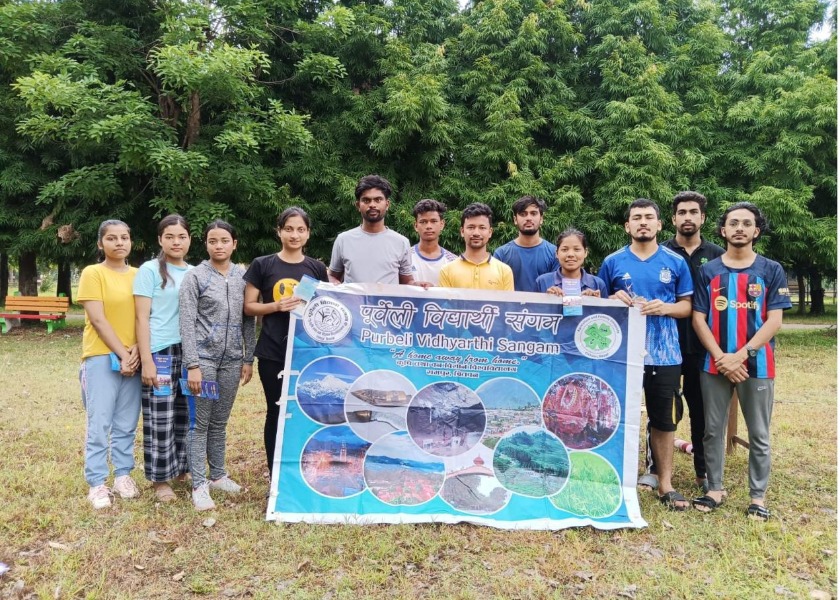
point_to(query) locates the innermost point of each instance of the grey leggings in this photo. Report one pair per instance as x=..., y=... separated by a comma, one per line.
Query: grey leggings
x=756, y=396
x=207, y=440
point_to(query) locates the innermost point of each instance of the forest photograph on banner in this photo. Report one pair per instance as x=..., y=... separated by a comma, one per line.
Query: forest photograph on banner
x=512, y=410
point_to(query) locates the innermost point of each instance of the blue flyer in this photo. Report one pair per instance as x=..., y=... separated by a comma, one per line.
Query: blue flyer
x=163, y=364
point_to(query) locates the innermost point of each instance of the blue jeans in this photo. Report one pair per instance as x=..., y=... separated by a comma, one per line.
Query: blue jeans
x=112, y=404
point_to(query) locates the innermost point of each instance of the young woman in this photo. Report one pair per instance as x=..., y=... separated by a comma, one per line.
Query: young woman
x=217, y=342
x=111, y=395
x=166, y=416
x=270, y=282
x=572, y=251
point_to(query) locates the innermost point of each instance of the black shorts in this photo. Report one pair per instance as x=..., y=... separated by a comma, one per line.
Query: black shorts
x=663, y=397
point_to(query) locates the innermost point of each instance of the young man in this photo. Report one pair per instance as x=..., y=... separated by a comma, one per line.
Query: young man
x=371, y=253
x=737, y=311
x=688, y=216
x=476, y=268
x=529, y=256
x=658, y=282
x=428, y=257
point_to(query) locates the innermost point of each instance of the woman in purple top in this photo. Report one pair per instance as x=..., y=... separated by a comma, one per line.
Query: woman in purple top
x=572, y=251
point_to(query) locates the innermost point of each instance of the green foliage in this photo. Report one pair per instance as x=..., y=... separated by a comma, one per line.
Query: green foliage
x=238, y=109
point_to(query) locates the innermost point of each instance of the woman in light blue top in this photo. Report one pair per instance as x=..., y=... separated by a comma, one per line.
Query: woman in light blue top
x=165, y=409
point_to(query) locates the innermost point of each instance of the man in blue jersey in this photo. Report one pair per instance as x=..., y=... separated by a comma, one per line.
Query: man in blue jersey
x=528, y=256
x=657, y=281
x=737, y=311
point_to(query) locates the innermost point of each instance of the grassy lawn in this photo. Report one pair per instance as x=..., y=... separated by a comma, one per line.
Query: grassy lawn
x=57, y=547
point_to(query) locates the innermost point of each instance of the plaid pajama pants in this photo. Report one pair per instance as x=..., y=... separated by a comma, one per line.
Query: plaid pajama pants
x=166, y=422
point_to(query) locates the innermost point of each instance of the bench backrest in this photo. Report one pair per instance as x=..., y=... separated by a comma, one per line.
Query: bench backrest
x=48, y=304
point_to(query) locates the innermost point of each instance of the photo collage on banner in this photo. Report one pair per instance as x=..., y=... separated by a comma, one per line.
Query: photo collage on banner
x=404, y=405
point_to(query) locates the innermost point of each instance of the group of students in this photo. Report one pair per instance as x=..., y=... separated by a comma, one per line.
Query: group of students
x=202, y=320
x=147, y=327
x=711, y=313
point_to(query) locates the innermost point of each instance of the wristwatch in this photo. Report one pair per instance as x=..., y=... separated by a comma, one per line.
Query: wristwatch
x=751, y=352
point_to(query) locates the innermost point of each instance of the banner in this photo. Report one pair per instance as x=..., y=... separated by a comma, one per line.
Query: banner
x=404, y=405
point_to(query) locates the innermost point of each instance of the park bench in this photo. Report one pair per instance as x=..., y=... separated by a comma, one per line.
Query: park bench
x=52, y=309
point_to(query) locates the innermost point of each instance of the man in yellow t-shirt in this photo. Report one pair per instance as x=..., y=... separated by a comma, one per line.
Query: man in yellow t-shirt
x=476, y=268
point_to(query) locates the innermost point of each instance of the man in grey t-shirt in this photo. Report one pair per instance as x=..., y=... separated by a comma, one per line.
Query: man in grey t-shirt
x=371, y=253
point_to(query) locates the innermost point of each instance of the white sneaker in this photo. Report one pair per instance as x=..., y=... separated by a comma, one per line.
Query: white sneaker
x=124, y=486
x=201, y=498
x=226, y=484
x=99, y=496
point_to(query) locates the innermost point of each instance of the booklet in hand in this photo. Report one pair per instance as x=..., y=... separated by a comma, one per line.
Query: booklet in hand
x=209, y=389
x=304, y=292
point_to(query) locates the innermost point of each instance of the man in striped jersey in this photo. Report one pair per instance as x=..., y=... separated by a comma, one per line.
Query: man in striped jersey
x=738, y=308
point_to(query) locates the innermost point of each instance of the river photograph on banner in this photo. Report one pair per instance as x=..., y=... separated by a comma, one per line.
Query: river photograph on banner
x=505, y=409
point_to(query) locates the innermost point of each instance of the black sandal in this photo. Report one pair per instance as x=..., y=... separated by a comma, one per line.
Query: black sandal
x=706, y=504
x=757, y=512
x=671, y=498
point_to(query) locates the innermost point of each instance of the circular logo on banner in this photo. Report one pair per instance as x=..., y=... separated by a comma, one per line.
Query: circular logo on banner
x=327, y=320
x=598, y=336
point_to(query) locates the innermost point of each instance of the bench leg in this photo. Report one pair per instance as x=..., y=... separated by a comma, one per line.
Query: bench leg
x=50, y=325
x=9, y=323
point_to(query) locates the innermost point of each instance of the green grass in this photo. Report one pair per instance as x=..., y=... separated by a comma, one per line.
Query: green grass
x=58, y=547
x=829, y=318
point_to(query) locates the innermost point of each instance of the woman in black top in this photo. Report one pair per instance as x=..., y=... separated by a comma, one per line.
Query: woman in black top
x=270, y=282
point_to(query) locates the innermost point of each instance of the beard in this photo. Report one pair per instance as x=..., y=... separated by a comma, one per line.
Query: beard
x=529, y=231
x=688, y=229
x=374, y=219
x=740, y=243
x=644, y=237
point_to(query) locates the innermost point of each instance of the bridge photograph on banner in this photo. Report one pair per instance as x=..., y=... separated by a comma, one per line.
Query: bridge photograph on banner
x=512, y=410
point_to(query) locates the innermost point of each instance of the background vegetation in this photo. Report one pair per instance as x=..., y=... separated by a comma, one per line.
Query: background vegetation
x=239, y=108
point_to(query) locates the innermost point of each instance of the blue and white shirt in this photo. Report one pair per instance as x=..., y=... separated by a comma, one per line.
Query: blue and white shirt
x=665, y=276
x=428, y=269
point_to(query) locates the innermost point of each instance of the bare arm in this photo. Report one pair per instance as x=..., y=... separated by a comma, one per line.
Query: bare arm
x=737, y=372
x=679, y=309
x=254, y=307
x=129, y=358
x=142, y=311
x=335, y=278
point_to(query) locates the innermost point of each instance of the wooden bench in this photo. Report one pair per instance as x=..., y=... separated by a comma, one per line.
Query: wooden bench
x=52, y=309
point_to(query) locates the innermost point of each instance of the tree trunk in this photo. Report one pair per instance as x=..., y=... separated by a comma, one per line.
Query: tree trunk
x=800, y=283
x=193, y=120
x=817, y=293
x=64, y=285
x=28, y=274
x=4, y=276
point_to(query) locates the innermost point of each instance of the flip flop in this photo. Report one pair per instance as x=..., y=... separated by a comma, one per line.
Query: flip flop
x=706, y=504
x=165, y=494
x=670, y=499
x=649, y=481
x=756, y=512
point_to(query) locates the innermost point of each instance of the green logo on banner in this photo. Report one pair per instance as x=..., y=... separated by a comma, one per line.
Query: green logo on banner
x=598, y=336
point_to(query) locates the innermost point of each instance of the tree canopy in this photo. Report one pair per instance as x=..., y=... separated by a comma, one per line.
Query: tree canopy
x=237, y=109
